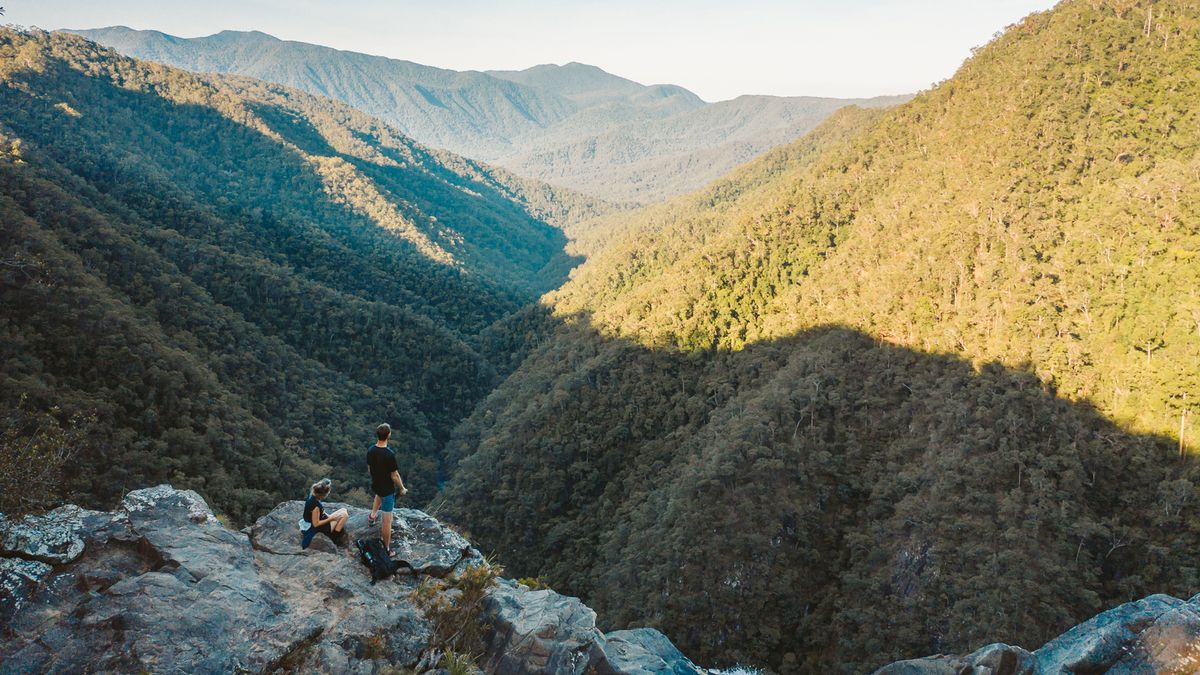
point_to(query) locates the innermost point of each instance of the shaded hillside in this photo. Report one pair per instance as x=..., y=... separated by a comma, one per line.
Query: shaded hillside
x=574, y=125
x=239, y=280
x=820, y=503
x=928, y=362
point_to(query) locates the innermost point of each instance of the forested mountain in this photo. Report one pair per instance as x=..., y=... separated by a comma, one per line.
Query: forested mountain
x=590, y=86
x=574, y=125
x=471, y=113
x=657, y=157
x=236, y=281
x=917, y=382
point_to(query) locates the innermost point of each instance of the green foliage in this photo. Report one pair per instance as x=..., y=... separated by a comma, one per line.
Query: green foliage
x=910, y=385
x=1033, y=209
x=457, y=664
x=240, y=281
x=35, y=446
x=454, y=607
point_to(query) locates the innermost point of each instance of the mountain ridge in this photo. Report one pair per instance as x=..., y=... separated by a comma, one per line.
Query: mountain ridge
x=532, y=121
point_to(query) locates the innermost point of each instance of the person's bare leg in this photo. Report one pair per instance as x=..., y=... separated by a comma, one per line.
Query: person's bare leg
x=339, y=523
x=375, y=509
x=387, y=530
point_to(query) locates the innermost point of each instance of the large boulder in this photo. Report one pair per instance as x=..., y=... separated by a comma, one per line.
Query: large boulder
x=993, y=659
x=55, y=537
x=160, y=585
x=644, y=651
x=420, y=542
x=540, y=633
x=1157, y=634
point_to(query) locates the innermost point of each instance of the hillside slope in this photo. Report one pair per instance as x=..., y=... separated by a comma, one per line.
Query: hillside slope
x=470, y=113
x=650, y=159
x=574, y=125
x=915, y=382
x=238, y=280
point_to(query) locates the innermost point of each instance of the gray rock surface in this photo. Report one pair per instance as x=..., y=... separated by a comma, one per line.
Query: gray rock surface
x=159, y=585
x=54, y=537
x=419, y=541
x=1157, y=634
x=18, y=580
x=644, y=651
x=540, y=632
x=993, y=659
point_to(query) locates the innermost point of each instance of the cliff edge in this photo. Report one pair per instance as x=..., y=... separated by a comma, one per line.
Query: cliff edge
x=159, y=585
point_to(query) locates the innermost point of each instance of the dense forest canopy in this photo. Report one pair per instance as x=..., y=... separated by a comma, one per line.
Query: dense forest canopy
x=918, y=382
x=237, y=281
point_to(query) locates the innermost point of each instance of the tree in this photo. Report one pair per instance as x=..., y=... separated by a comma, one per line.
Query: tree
x=35, y=446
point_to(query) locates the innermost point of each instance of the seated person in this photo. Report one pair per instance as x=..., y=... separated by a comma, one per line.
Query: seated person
x=316, y=520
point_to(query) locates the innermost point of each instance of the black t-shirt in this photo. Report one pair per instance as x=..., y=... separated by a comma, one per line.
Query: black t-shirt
x=309, y=505
x=382, y=462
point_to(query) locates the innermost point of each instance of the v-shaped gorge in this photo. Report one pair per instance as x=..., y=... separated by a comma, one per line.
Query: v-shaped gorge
x=237, y=280
x=917, y=382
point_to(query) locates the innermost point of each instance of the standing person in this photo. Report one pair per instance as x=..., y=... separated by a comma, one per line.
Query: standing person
x=316, y=520
x=385, y=481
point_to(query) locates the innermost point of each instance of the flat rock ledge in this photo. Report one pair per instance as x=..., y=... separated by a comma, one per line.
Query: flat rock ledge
x=159, y=585
x=1157, y=634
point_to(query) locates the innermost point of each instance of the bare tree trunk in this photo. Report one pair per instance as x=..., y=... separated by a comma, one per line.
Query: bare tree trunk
x=1183, y=415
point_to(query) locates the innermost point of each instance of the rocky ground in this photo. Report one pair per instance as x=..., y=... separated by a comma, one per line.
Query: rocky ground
x=159, y=585
x=1153, y=636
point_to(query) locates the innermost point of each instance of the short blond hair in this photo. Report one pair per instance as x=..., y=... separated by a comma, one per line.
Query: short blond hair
x=321, y=488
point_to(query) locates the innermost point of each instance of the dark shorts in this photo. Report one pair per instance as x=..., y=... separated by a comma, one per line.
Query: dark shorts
x=387, y=503
x=307, y=536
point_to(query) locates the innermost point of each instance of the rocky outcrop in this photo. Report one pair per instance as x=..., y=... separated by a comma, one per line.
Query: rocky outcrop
x=1158, y=634
x=994, y=659
x=540, y=632
x=159, y=585
x=643, y=651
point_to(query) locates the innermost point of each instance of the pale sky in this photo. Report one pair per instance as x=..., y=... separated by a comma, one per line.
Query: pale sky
x=718, y=49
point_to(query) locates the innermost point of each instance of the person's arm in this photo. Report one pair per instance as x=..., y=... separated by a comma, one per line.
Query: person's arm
x=317, y=520
x=396, y=479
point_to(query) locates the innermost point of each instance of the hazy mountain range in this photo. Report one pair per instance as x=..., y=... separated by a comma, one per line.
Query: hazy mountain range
x=574, y=125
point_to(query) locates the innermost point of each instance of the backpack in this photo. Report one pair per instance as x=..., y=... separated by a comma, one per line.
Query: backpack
x=376, y=558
